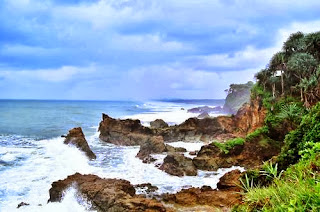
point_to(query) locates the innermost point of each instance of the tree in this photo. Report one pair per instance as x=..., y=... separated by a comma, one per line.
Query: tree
x=302, y=66
x=295, y=43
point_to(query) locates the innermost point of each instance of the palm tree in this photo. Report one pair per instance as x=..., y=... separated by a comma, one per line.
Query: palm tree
x=302, y=66
x=278, y=62
x=312, y=42
x=262, y=77
x=295, y=43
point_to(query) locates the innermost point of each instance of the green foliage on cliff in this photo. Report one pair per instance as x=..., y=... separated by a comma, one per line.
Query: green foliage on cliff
x=238, y=94
x=304, y=141
x=228, y=145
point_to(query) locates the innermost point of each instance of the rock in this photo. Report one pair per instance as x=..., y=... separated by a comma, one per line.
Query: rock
x=105, y=194
x=204, y=115
x=178, y=165
x=204, y=196
x=76, y=138
x=170, y=148
x=158, y=123
x=123, y=132
x=249, y=155
x=148, y=187
x=193, y=153
x=205, y=109
x=22, y=204
x=148, y=159
x=230, y=181
x=153, y=144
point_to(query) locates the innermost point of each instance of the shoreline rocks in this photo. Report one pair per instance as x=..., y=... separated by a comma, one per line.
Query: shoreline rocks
x=105, y=194
x=178, y=165
x=77, y=138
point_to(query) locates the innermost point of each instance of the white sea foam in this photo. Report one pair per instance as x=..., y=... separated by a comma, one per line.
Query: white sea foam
x=169, y=112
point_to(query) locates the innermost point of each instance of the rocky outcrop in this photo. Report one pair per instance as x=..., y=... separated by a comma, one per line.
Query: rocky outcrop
x=152, y=145
x=204, y=196
x=230, y=181
x=203, y=115
x=105, y=194
x=158, y=123
x=178, y=165
x=249, y=155
x=205, y=109
x=76, y=137
x=250, y=116
x=123, y=132
x=131, y=132
x=238, y=94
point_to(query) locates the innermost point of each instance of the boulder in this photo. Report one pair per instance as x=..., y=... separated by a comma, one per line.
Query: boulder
x=105, y=194
x=126, y=132
x=76, y=137
x=158, y=123
x=154, y=144
x=204, y=115
x=205, y=109
x=230, y=181
x=170, y=148
x=178, y=165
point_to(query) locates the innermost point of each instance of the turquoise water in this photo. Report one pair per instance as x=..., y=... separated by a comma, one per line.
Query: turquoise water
x=42, y=119
x=32, y=153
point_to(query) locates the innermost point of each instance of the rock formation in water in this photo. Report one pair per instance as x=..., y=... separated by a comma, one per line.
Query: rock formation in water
x=238, y=94
x=105, y=194
x=77, y=138
x=158, y=123
x=178, y=165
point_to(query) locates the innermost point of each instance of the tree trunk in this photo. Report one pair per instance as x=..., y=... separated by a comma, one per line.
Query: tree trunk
x=274, y=90
x=301, y=94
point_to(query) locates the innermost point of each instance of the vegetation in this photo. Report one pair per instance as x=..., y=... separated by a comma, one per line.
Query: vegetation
x=297, y=189
x=228, y=145
x=295, y=70
x=289, y=88
x=238, y=94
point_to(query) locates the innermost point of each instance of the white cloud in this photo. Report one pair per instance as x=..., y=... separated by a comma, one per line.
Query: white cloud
x=49, y=75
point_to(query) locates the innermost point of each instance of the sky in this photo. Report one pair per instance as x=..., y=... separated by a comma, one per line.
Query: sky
x=141, y=49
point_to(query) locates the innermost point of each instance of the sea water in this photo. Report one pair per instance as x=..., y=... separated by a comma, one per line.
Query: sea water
x=32, y=153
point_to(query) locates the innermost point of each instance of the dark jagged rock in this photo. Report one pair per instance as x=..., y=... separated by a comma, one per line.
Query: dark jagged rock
x=230, y=181
x=170, y=148
x=22, y=204
x=249, y=155
x=158, y=123
x=153, y=144
x=178, y=165
x=77, y=138
x=123, y=132
x=105, y=194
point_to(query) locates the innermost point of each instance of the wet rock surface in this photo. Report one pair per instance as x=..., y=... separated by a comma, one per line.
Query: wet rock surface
x=105, y=194
x=76, y=137
x=154, y=144
x=178, y=165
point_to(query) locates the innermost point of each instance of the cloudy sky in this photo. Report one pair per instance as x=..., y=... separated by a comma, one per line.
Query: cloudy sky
x=141, y=49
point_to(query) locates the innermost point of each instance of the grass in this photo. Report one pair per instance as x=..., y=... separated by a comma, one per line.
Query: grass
x=228, y=145
x=298, y=189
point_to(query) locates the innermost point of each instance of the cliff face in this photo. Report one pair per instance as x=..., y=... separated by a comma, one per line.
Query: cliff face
x=238, y=94
x=250, y=116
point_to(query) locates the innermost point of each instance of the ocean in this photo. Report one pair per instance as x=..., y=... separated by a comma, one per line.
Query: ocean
x=32, y=153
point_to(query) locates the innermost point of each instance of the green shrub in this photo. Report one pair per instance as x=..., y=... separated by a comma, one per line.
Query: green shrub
x=228, y=145
x=262, y=131
x=297, y=190
x=304, y=140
